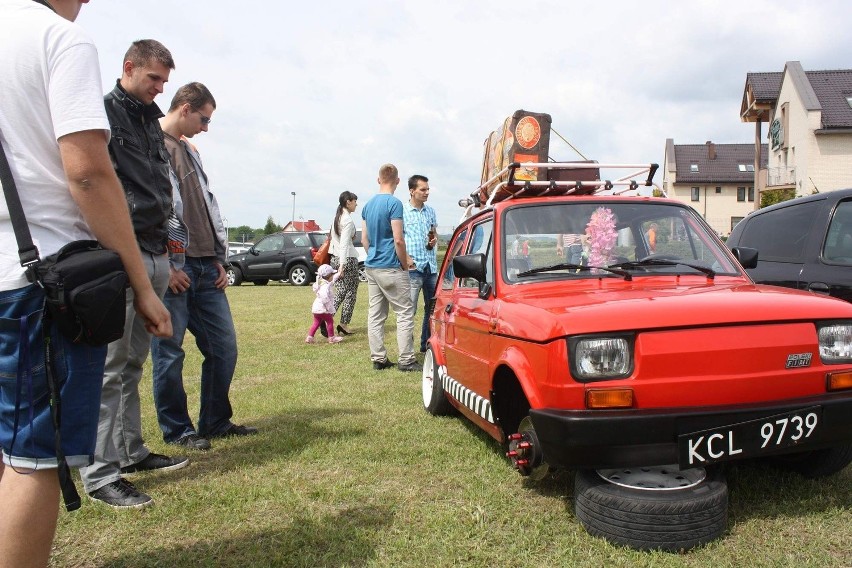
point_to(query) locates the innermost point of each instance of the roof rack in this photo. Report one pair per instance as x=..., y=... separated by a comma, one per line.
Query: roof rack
x=513, y=182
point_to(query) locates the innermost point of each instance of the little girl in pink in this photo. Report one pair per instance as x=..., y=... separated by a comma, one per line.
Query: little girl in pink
x=323, y=306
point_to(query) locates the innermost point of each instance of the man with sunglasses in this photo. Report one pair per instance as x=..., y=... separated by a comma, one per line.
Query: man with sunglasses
x=196, y=294
x=141, y=162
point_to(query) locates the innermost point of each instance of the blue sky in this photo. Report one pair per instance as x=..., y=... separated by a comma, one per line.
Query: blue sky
x=314, y=97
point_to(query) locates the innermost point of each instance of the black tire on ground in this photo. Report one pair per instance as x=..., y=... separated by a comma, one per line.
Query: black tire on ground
x=235, y=277
x=261, y=282
x=817, y=463
x=299, y=275
x=434, y=399
x=644, y=519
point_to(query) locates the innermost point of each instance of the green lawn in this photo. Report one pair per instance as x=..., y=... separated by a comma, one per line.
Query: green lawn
x=349, y=470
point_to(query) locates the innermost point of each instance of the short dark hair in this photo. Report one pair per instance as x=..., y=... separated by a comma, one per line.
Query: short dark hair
x=196, y=94
x=412, y=181
x=144, y=51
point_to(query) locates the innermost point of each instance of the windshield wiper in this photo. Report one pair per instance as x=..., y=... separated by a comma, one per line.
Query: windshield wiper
x=565, y=266
x=667, y=262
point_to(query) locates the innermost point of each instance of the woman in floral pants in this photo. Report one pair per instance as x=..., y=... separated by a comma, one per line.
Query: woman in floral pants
x=342, y=249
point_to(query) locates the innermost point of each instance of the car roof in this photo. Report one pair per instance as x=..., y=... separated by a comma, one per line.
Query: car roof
x=835, y=195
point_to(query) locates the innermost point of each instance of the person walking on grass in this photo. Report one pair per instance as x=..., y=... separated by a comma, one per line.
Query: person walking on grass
x=387, y=268
x=323, y=306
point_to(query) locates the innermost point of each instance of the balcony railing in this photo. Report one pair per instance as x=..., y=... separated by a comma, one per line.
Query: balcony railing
x=780, y=176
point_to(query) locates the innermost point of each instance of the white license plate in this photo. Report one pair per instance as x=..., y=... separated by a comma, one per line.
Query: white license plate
x=749, y=439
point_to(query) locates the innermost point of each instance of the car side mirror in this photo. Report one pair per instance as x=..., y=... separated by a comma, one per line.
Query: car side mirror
x=747, y=256
x=470, y=266
x=253, y=251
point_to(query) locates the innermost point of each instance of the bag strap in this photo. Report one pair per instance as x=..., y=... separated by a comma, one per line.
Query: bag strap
x=27, y=251
x=28, y=254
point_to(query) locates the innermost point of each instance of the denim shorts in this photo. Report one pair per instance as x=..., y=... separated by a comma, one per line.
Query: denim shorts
x=78, y=371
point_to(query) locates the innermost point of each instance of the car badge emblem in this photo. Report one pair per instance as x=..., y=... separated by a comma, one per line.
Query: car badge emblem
x=796, y=360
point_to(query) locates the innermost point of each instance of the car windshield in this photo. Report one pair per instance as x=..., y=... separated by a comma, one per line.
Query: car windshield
x=585, y=239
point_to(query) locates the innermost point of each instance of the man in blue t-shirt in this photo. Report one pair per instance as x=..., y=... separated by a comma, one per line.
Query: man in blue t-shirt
x=387, y=267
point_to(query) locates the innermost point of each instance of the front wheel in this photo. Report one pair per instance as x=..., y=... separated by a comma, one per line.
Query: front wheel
x=434, y=399
x=235, y=277
x=653, y=508
x=299, y=275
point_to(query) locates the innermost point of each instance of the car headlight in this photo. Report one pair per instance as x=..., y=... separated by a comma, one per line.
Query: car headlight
x=601, y=357
x=835, y=343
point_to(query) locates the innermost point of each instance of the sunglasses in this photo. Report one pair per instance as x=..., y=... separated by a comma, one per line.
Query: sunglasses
x=204, y=119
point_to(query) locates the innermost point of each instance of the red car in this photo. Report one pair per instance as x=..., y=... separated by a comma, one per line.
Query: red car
x=641, y=369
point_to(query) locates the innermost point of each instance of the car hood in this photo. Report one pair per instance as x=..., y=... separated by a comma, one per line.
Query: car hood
x=544, y=314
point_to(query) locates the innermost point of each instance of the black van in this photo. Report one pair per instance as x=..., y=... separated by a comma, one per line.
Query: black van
x=804, y=243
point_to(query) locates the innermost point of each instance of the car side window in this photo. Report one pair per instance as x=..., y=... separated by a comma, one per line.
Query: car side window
x=838, y=240
x=270, y=244
x=449, y=273
x=480, y=243
x=781, y=235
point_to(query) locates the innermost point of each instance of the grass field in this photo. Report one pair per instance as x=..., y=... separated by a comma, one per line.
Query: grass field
x=349, y=470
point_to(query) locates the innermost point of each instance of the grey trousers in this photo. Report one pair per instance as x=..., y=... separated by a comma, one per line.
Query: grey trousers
x=390, y=287
x=119, y=442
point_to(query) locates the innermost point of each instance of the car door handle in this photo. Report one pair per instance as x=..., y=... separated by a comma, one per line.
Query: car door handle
x=448, y=308
x=819, y=287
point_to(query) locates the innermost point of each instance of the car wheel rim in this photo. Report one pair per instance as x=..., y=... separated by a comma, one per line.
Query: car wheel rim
x=428, y=378
x=654, y=478
x=298, y=277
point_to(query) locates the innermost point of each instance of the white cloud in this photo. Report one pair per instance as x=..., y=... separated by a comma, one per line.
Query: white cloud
x=314, y=97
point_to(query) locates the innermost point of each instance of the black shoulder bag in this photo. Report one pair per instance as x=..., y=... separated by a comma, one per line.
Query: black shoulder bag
x=86, y=290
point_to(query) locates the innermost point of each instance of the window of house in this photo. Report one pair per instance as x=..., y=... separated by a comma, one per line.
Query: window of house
x=734, y=221
x=741, y=194
x=696, y=194
x=750, y=168
x=718, y=190
x=746, y=167
x=693, y=168
x=849, y=101
x=751, y=194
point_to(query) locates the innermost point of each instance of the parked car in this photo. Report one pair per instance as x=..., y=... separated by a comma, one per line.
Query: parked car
x=362, y=256
x=279, y=256
x=642, y=365
x=804, y=243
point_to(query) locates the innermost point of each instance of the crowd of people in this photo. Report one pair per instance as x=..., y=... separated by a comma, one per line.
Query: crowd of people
x=401, y=243
x=117, y=169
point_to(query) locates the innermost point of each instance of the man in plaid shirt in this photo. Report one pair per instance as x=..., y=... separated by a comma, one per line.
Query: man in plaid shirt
x=420, y=228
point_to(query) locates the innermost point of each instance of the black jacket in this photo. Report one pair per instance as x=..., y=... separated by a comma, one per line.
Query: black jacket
x=140, y=159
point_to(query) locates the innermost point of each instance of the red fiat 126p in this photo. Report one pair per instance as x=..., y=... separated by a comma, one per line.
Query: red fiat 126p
x=591, y=325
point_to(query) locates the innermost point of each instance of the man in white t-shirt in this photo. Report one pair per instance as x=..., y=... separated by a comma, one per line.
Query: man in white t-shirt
x=54, y=133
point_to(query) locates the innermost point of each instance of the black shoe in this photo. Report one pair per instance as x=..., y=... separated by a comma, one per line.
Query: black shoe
x=193, y=441
x=323, y=330
x=157, y=462
x=235, y=430
x=410, y=367
x=383, y=364
x=121, y=494
x=341, y=331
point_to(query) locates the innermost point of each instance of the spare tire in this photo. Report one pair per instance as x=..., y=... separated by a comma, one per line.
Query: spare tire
x=656, y=508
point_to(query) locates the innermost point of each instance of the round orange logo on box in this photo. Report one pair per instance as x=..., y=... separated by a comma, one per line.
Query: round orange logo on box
x=527, y=132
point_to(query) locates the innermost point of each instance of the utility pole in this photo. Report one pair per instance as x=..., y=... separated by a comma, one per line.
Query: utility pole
x=293, y=218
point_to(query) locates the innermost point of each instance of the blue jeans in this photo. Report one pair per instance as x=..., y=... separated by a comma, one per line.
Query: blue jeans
x=78, y=371
x=203, y=309
x=425, y=280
